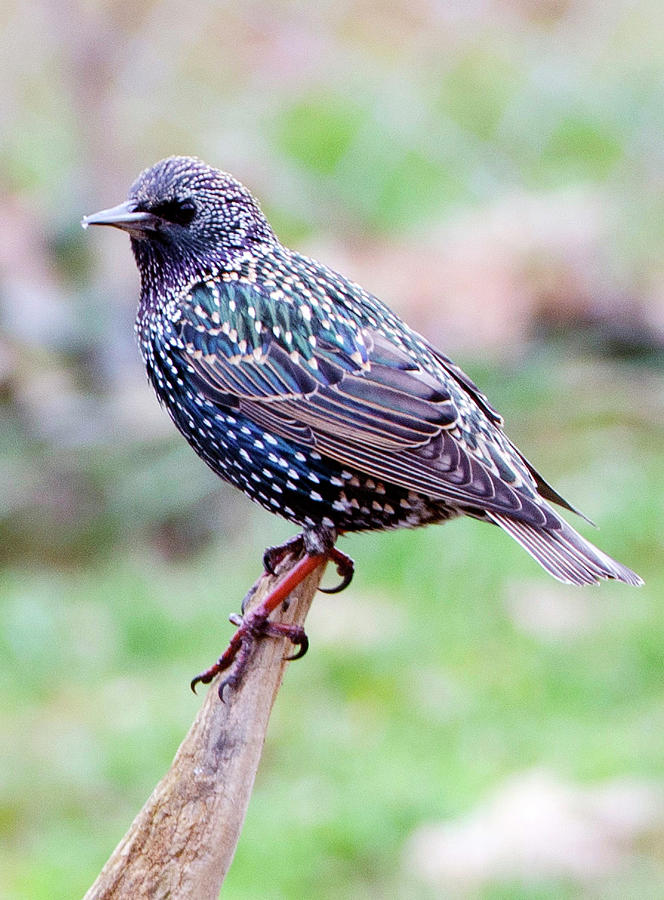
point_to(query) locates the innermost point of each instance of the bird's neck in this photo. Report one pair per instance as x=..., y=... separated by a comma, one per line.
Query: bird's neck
x=165, y=275
x=165, y=278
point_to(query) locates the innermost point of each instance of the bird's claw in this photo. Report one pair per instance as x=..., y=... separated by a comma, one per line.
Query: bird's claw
x=251, y=628
x=300, y=640
x=345, y=568
x=274, y=555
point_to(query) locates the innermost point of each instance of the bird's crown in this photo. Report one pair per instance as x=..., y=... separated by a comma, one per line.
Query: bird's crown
x=185, y=192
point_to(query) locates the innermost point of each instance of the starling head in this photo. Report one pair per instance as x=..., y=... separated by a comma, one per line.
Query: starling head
x=185, y=216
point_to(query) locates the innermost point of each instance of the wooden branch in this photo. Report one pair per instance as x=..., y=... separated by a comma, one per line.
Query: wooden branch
x=182, y=842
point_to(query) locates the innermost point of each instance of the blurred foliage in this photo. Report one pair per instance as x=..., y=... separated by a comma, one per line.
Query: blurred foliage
x=495, y=172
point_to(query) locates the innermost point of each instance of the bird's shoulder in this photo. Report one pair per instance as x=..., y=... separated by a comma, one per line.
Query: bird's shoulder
x=282, y=310
x=264, y=302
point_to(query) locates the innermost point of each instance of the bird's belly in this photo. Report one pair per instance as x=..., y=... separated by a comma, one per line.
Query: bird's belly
x=293, y=480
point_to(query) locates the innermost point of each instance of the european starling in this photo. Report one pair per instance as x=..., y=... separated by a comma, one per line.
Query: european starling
x=310, y=395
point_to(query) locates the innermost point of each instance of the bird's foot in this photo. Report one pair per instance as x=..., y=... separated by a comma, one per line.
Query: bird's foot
x=312, y=548
x=306, y=543
x=275, y=555
x=251, y=627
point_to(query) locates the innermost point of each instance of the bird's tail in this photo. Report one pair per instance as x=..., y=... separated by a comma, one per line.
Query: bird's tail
x=565, y=554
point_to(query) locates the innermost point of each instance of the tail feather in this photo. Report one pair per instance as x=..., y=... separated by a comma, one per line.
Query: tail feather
x=565, y=554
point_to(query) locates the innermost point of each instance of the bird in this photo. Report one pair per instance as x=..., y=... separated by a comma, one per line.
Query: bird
x=306, y=392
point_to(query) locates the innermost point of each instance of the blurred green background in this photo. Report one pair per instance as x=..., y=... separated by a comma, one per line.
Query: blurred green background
x=463, y=726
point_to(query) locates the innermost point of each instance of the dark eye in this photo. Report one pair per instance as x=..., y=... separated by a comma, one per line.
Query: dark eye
x=179, y=212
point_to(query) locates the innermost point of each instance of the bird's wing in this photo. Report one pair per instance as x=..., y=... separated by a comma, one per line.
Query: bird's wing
x=469, y=386
x=356, y=394
x=544, y=489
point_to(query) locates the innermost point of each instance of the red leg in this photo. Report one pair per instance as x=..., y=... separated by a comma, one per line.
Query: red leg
x=255, y=624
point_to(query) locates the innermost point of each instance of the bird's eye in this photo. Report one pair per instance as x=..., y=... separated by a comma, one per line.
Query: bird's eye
x=179, y=212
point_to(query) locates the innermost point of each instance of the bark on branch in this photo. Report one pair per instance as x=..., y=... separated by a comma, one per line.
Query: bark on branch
x=182, y=842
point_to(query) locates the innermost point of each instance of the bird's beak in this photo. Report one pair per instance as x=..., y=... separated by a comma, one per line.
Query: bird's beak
x=124, y=216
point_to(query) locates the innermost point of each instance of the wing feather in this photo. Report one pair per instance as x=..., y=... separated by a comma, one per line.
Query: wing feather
x=403, y=414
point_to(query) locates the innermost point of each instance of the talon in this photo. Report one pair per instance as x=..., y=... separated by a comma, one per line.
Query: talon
x=230, y=683
x=304, y=646
x=268, y=565
x=343, y=584
x=345, y=568
x=274, y=555
x=295, y=634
